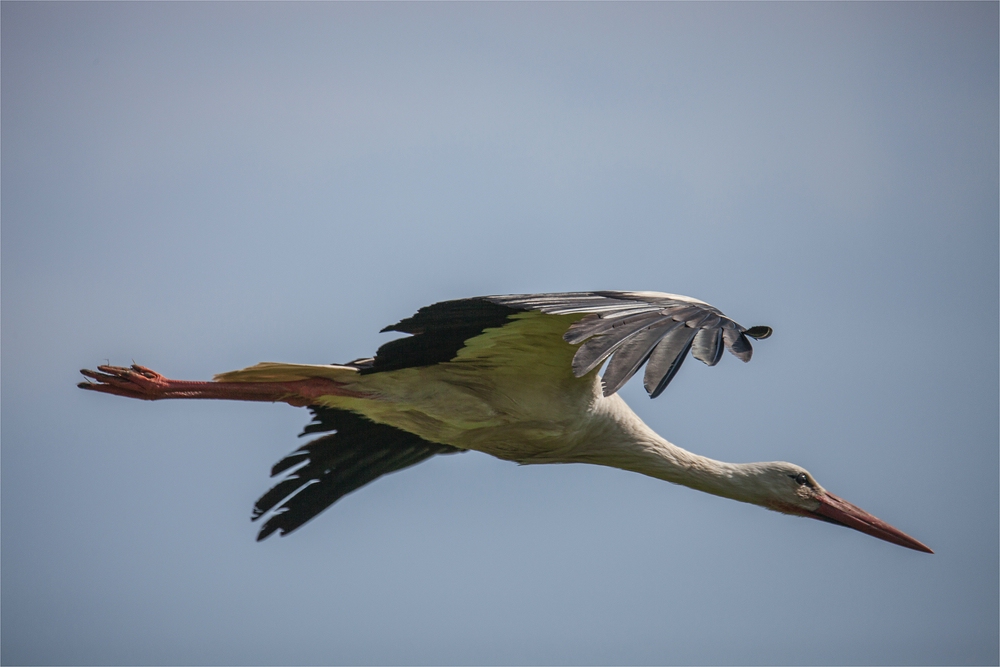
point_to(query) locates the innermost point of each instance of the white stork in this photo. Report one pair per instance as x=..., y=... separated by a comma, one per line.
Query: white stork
x=512, y=376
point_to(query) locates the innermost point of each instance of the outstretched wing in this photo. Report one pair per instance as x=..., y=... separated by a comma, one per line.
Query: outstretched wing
x=328, y=468
x=635, y=328
x=627, y=329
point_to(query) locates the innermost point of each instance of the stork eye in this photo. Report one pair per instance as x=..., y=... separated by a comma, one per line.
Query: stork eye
x=801, y=478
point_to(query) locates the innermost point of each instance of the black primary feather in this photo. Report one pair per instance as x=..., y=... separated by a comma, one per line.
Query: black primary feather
x=357, y=452
x=439, y=332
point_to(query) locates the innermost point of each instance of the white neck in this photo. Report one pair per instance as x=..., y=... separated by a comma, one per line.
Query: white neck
x=619, y=438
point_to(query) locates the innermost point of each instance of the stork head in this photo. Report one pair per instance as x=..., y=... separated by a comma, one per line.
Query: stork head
x=788, y=488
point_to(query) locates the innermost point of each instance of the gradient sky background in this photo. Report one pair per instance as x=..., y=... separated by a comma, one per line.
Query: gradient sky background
x=199, y=187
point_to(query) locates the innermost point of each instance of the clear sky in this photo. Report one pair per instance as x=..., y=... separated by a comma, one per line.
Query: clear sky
x=199, y=187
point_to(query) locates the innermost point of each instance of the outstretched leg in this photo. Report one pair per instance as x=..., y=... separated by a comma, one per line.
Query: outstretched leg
x=143, y=383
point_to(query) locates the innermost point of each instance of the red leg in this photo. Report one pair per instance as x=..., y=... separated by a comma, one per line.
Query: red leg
x=140, y=382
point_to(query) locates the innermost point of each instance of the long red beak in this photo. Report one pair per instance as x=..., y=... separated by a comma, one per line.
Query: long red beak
x=837, y=510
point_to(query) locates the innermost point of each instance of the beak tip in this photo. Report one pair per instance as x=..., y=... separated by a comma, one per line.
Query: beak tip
x=840, y=511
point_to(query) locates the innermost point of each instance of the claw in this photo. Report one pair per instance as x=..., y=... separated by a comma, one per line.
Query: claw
x=122, y=381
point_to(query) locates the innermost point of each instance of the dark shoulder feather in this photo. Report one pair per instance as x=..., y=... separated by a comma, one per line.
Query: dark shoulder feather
x=438, y=333
x=357, y=452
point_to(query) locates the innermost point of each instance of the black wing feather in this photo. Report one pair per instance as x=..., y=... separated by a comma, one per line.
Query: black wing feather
x=619, y=326
x=356, y=453
x=439, y=332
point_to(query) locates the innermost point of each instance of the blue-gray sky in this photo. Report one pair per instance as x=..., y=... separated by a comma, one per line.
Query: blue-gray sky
x=199, y=187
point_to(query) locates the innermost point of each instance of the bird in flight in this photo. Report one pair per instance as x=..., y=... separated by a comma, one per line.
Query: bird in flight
x=514, y=376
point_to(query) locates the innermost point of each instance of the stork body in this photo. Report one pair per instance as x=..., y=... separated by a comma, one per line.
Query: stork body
x=515, y=377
